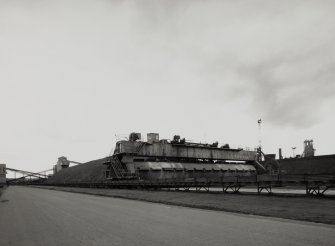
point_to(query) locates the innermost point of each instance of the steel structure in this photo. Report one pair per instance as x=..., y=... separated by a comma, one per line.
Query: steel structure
x=179, y=164
x=314, y=184
x=32, y=176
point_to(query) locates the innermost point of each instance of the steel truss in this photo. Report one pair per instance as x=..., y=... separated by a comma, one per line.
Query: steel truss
x=317, y=189
x=264, y=187
x=231, y=187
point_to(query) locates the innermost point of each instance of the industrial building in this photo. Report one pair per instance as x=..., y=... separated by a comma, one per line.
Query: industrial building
x=2, y=174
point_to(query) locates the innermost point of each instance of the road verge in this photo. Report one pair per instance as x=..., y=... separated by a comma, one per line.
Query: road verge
x=312, y=209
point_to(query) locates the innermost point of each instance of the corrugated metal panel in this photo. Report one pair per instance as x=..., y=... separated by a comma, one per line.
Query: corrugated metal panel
x=196, y=166
x=238, y=167
x=159, y=165
x=172, y=165
x=248, y=168
x=216, y=167
x=223, y=167
x=142, y=166
x=155, y=166
x=192, y=166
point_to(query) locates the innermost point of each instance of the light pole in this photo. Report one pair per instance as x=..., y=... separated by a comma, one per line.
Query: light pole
x=293, y=148
x=259, y=133
x=259, y=149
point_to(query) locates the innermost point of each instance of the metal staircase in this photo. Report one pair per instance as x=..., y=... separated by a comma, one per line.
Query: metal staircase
x=117, y=169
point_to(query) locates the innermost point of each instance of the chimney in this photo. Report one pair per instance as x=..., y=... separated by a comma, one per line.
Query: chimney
x=280, y=154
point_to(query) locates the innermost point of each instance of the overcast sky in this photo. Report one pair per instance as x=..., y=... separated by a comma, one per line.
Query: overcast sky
x=75, y=73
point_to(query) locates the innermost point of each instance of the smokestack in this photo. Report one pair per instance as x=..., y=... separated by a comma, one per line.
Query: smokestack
x=280, y=154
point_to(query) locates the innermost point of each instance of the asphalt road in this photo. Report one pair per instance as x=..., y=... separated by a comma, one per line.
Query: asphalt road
x=32, y=216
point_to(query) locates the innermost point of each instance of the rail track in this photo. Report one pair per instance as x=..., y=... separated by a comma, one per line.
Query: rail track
x=314, y=184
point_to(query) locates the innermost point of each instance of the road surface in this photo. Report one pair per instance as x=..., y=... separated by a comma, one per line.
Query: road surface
x=32, y=216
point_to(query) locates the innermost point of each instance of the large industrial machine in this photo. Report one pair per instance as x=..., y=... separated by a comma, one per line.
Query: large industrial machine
x=156, y=159
x=182, y=164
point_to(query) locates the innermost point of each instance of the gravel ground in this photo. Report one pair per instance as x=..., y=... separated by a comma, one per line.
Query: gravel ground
x=306, y=208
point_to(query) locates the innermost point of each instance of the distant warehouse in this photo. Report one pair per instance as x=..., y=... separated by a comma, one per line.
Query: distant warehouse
x=2, y=174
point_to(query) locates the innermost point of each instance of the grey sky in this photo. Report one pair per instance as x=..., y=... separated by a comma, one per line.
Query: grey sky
x=75, y=73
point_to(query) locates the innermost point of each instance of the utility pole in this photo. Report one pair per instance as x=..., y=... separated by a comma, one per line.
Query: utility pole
x=259, y=148
x=260, y=133
x=293, y=149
